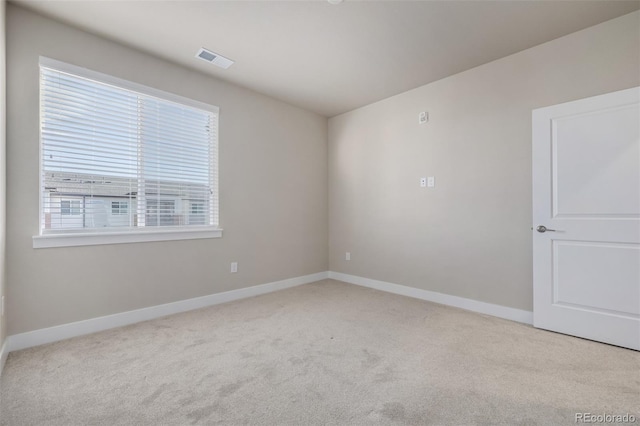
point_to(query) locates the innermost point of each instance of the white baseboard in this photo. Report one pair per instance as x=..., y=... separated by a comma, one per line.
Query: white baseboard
x=4, y=352
x=53, y=334
x=444, y=299
x=66, y=331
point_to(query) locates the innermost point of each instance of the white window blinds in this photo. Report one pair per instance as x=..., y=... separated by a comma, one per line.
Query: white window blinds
x=107, y=142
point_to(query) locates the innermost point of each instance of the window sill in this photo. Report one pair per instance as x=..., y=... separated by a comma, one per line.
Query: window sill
x=101, y=238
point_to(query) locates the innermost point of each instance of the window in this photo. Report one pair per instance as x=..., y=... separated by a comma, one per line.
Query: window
x=133, y=159
x=161, y=212
x=65, y=208
x=69, y=207
x=119, y=207
x=197, y=213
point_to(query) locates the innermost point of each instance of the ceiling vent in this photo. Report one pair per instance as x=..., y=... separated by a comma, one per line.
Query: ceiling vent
x=214, y=58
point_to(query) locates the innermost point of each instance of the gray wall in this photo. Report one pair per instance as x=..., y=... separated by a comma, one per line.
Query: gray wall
x=470, y=235
x=273, y=188
x=3, y=164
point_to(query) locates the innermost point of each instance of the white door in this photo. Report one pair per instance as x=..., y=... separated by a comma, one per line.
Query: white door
x=586, y=193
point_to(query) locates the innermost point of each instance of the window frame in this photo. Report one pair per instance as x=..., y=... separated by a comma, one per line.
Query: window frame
x=99, y=236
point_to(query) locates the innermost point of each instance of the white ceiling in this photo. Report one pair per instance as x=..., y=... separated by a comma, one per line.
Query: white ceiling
x=332, y=59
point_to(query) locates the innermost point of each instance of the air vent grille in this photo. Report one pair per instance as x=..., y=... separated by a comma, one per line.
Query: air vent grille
x=207, y=56
x=214, y=58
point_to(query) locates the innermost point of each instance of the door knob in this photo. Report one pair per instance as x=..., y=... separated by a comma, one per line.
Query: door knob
x=543, y=228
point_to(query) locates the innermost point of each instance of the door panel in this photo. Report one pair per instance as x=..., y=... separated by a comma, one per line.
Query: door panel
x=601, y=277
x=586, y=191
x=595, y=169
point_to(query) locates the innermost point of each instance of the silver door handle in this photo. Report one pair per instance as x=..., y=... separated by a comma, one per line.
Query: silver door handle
x=543, y=228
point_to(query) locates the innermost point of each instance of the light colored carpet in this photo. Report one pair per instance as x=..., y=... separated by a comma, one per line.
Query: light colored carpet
x=326, y=353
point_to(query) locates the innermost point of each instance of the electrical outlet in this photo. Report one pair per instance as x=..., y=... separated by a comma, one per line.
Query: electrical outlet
x=234, y=267
x=347, y=256
x=423, y=182
x=431, y=181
